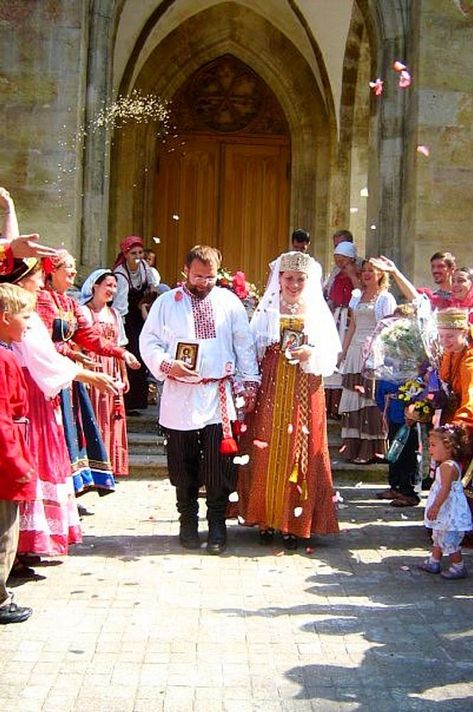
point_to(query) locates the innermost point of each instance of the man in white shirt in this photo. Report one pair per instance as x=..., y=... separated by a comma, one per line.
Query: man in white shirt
x=197, y=404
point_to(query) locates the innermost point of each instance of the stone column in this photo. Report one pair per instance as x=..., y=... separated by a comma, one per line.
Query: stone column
x=97, y=140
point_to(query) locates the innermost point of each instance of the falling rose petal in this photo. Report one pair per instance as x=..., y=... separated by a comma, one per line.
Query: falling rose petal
x=359, y=484
x=233, y=497
x=343, y=448
x=377, y=86
x=403, y=516
x=399, y=66
x=380, y=455
x=404, y=568
x=239, y=402
x=261, y=444
x=157, y=240
x=280, y=553
x=360, y=389
x=309, y=550
x=175, y=216
x=241, y=459
x=404, y=79
x=290, y=428
x=337, y=497
x=305, y=430
x=240, y=520
x=178, y=296
x=297, y=511
x=243, y=428
x=425, y=151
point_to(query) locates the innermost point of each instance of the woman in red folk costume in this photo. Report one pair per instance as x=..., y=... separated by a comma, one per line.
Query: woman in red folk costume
x=97, y=293
x=136, y=285
x=49, y=522
x=69, y=328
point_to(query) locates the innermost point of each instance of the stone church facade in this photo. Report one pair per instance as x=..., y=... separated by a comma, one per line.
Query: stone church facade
x=273, y=126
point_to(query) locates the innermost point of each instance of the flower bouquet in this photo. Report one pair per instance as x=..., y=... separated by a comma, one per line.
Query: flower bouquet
x=238, y=284
x=422, y=411
x=396, y=350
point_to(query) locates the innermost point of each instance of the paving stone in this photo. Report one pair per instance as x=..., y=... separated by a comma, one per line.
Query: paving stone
x=345, y=628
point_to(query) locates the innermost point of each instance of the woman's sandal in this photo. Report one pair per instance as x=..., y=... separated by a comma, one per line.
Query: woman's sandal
x=266, y=536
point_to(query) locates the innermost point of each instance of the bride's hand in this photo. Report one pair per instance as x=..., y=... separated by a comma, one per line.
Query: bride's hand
x=301, y=353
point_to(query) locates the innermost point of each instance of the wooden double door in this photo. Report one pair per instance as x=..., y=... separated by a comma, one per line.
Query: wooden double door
x=228, y=192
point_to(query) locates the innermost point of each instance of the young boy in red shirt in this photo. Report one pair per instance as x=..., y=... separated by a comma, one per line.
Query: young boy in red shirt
x=17, y=473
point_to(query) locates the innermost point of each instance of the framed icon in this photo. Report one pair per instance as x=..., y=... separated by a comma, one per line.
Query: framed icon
x=188, y=353
x=291, y=339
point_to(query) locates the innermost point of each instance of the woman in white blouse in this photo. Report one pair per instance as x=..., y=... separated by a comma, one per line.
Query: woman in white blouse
x=362, y=426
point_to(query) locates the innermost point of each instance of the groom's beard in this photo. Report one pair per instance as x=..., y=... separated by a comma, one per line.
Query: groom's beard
x=199, y=292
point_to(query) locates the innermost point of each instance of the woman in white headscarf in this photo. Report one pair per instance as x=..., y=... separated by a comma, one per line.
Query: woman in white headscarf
x=287, y=484
x=96, y=296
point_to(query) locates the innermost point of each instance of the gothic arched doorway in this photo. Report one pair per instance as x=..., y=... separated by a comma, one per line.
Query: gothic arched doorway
x=223, y=177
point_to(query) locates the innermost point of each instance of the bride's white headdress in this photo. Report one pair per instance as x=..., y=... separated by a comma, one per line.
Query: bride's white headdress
x=319, y=325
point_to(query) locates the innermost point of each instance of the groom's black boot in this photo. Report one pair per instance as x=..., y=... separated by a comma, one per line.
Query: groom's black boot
x=188, y=508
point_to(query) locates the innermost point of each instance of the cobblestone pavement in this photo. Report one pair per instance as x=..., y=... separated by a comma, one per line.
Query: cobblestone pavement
x=131, y=622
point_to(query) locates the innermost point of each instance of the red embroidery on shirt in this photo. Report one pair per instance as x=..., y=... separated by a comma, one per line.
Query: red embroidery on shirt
x=204, y=317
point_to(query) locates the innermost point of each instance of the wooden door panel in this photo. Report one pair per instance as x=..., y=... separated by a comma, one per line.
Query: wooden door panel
x=187, y=203
x=254, y=207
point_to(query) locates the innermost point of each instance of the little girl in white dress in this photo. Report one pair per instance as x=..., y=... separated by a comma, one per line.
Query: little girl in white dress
x=447, y=512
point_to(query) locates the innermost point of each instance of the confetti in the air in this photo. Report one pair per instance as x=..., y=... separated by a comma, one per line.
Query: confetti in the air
x=239, y=402
x=404, y=79
x=136, y=107
x=399, y=66
x=233, y=497
x=290, y=428
x=297, y=511
x=424, y=150
x=261, y=444
x=377, y=86
x=241, y=459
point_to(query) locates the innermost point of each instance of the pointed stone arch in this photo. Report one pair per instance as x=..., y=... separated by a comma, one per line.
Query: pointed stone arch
x=218, y=30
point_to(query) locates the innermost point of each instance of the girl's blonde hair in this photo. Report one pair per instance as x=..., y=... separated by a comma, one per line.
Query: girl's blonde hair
x=456, y=438
x=14, y=299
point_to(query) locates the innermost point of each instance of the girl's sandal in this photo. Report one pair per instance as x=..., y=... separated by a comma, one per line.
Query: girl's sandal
x=452, y=574
x=429, y=567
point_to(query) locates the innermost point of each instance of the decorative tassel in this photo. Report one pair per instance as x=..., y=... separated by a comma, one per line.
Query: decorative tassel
x=228, y=446
x=293, y=477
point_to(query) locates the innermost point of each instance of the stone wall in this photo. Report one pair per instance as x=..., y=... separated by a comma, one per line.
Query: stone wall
x=42, y=76
x=439, y=189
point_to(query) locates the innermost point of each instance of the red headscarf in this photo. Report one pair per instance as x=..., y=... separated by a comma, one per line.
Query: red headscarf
x=127, y=244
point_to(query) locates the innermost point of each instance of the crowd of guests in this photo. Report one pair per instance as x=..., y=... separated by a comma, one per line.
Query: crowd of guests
x=245, y=411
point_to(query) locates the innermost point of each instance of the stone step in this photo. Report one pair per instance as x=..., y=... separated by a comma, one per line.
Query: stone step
x=148, y=467
x=154, y=466
x=141, y=443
